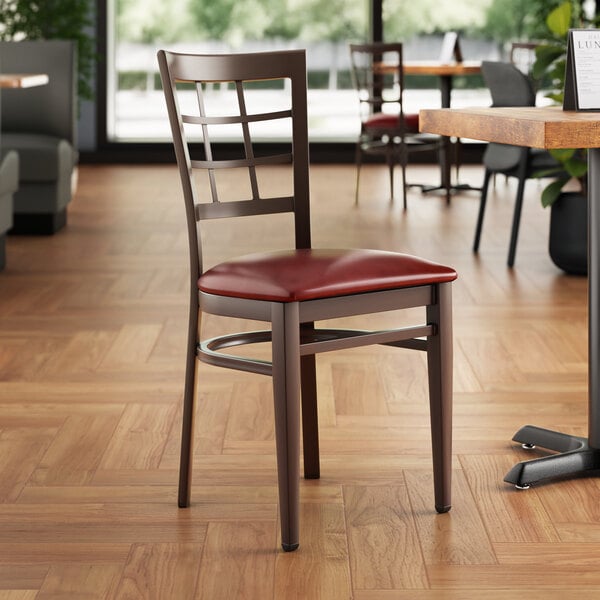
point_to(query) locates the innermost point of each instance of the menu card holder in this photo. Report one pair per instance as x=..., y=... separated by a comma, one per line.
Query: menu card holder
x=582, y=73
x=450, y=48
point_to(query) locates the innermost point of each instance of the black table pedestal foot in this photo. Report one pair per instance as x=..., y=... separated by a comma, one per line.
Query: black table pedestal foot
x=445, y=189
x=574, y=457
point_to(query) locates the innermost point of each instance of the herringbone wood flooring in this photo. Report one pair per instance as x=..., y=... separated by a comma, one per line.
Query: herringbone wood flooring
x=92, y=325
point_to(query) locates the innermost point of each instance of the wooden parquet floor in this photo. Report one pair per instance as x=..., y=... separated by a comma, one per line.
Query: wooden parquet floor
x=92, y=327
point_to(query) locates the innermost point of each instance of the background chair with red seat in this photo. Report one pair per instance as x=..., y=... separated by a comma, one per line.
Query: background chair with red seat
x=293, y=288
x=385, y=129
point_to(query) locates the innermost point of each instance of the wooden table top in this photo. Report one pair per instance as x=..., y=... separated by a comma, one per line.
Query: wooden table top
x=469, y=67
x=25, y=80
x=432, y=67
x=535, y=127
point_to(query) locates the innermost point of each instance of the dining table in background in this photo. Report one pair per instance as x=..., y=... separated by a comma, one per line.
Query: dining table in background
x=445, y=73
x=547, y=128
x=22, y=80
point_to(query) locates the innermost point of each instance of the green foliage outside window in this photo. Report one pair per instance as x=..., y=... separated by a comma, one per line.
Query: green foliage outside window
x=508, y=20
x=236, y=21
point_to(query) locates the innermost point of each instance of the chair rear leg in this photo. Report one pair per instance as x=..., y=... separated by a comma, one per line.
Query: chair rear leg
x=310, y=418
x=439, y=363
x=404, y=187
x=402, y=158
x=358, y=161
x=457, y=158
x=286, y=393
x=514, y=233
x=482, y=203
x=189, y=394
x=390, y=162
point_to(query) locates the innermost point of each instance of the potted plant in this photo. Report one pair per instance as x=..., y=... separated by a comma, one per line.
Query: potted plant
x=567, y=194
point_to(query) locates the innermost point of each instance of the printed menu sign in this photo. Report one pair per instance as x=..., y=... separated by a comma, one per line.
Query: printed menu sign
x=582, y=77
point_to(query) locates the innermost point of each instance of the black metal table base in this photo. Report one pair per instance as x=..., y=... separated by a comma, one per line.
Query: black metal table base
x=445, y=190
x=455, y=187
x=574, y=457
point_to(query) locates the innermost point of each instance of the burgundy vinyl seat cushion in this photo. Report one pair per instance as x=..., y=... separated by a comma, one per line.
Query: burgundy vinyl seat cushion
x=296, y=275
x=386, y=121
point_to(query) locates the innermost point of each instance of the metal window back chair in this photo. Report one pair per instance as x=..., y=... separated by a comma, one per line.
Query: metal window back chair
x=291, y=289
x=386, y=129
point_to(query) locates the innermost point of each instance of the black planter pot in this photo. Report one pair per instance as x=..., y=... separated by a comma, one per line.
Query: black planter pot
x=568, y=233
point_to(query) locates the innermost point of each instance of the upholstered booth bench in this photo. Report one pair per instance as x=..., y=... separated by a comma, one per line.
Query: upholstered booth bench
x=9, y=182
x=40, y=124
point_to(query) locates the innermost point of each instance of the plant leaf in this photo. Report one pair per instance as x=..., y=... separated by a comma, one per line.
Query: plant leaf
x=556, y=97
x=559, y=20
x=553, y=172
x=547, y=52
x=550, y=47
x=576, y=167
x=562, y=154
x=552, y=192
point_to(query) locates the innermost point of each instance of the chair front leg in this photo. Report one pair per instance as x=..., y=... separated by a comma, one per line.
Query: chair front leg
x=514, y=232
x=286, y=393
x=189, y=394
x=481, y=214
x=440, y=364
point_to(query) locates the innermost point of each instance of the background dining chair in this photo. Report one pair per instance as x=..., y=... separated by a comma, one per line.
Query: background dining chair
x=9, y=184
x=509, y=87
x=385, y=128
x=522, y=55
x=291, y=288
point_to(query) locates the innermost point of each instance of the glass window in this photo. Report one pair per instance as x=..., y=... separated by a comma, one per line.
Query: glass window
x=137, y=28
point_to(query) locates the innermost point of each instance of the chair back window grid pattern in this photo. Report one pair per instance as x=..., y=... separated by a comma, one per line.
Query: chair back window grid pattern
x=243, y=116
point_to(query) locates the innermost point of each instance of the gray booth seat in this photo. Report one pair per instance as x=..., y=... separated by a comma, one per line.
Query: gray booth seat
x=40, y=123
x=9, y=182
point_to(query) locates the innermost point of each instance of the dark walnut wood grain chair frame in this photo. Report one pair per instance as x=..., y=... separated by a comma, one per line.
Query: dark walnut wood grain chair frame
x=293, y=288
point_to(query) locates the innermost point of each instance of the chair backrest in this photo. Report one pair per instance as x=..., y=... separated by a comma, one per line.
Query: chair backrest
x=450, y=50
x=507, y=85
x=522, y=55
x=49, y=109
x=187, y=83
x=378, y=92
